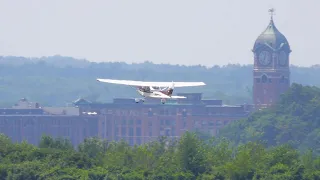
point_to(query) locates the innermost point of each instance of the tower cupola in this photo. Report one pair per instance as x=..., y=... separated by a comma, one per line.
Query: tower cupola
x=272, y=38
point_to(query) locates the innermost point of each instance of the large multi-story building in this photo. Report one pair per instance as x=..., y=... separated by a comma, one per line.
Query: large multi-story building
x=122, y=119
x=28, y=121
x=140, y=123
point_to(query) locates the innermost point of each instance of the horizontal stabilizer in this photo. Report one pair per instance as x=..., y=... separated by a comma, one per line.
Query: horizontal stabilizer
x=178, y=97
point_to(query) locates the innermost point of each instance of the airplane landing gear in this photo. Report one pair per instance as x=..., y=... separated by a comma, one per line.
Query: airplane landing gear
x=137, y=100
x=163, y=101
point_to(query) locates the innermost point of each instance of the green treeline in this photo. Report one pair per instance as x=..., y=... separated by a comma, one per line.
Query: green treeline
x=186, y=158
x=295, y=119
x=57, y=80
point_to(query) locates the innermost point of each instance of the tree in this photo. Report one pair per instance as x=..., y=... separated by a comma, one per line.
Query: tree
x=191, y=153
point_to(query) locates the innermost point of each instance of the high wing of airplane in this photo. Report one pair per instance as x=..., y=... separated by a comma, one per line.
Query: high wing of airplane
x=155, y=84
x=160, y=90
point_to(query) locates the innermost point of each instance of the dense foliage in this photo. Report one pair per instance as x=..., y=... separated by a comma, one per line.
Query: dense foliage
x=186, y=158
x=56, y=80
x=295, y=120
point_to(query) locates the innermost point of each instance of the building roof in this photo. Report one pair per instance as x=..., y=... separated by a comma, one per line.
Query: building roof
x=81, y=101
x=12, y=111
x=141, y=105
x=272, y=38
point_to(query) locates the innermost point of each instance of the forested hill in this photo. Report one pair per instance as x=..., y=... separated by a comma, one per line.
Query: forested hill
x=295, y=120
x=58, y=80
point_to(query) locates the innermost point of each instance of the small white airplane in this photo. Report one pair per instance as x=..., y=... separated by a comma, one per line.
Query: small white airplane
x=160, y=90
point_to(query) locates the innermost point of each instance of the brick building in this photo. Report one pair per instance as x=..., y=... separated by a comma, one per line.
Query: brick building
x=271, y=73
x=27, y=122
x=140, y=123
x=122, y=119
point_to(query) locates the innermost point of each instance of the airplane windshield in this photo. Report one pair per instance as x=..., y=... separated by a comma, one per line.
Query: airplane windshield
x=145, y=89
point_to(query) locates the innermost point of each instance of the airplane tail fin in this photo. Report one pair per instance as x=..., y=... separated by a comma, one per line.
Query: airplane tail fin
x=172, y=85
x=170, y=89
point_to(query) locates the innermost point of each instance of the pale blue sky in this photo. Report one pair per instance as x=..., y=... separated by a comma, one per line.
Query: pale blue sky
x=206, y=32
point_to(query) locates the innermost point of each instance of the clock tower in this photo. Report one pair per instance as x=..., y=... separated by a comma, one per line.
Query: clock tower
x=271, y=71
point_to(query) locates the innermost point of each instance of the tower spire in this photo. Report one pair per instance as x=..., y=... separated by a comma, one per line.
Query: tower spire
x=271, y=11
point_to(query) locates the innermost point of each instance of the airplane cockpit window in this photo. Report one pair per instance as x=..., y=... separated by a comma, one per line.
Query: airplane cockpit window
x=145, y=89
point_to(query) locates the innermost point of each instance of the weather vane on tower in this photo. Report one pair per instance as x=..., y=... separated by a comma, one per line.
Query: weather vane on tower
x=271, y=11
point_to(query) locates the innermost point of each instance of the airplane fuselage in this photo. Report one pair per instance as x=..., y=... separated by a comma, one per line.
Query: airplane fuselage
x=144, y=94
x=149, y=94
x=154, y=93
x=160, y=90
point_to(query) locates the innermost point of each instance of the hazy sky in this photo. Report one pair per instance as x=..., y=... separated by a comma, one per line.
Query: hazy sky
x=206, y=32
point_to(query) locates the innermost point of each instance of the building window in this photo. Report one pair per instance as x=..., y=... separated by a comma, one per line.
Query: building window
x=282, y=80
x=138, y=131
x=173, y=132
x=167, y=132
x=196, y=123
x=130, y=131
x=123, y=131
x=168, y=122
x=219, y=123
x=138, y=122
x=138, y=141
x=264, y=78
x=131, y=141
x=184, y=114
x=204, y=123
x=211, y=131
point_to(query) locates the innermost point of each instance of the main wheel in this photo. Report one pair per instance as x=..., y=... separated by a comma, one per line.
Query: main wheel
x=136, y=100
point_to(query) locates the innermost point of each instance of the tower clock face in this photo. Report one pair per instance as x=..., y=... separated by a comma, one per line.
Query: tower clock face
x=264, y=58
x=283, y=58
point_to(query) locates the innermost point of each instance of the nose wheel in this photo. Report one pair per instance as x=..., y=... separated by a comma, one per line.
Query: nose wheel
x=163, y=101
